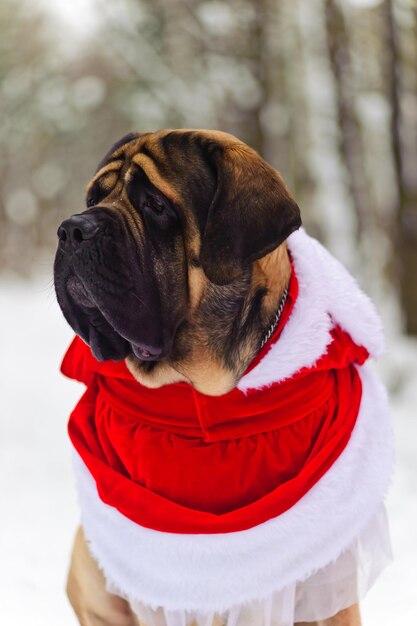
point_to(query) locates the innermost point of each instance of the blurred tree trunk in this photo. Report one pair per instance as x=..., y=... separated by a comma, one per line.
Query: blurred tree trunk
x=350, y=143
x=299, y=113
x=276, y=126
x=272, y=113
x=405, y=211
x=247, y=47
x=260, y=59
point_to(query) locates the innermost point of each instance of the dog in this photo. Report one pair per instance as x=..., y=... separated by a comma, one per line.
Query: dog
x=182, y=277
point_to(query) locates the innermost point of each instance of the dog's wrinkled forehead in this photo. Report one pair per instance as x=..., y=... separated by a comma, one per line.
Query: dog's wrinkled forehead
x=165, y=145
x=176, y=163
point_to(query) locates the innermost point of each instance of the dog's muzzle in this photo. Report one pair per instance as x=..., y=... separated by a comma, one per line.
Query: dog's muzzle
x=100, y=286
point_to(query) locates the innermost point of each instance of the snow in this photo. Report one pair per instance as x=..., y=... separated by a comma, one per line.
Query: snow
x=39, y=511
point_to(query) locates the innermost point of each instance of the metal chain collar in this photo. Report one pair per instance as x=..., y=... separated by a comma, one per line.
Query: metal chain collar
x=276, y=319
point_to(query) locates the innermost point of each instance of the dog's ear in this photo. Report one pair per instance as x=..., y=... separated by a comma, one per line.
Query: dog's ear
x=251, y=213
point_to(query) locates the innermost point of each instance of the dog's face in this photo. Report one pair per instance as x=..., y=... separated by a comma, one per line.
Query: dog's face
x=169, y=214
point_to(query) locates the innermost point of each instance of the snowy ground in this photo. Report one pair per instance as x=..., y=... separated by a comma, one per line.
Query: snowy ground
x=38, y=503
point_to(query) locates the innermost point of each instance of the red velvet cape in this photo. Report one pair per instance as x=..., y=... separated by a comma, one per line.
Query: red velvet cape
x=176, y=460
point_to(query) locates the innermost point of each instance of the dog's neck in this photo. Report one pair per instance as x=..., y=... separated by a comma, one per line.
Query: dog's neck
x=225, y=329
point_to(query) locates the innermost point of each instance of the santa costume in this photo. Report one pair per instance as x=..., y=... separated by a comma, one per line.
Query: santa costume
x=263, y=506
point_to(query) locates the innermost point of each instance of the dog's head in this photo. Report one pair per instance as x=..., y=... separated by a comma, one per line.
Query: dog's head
x=168, y=213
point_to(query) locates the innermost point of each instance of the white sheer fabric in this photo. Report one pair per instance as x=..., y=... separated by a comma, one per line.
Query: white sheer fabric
x=336, y=586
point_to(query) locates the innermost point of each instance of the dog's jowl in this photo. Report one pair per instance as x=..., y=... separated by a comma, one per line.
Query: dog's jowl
x=233, y=447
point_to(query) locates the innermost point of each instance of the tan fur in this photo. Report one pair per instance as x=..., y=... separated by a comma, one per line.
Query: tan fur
x=347, y=617
x=206, y=374
x=214, y=135
x=202, y=372
x=272, y=271
x=151, y=171
x=164, y=374
x=109, y=180
x=93, y=605
x=197, y=280
x=110, y=167
x=197, y=283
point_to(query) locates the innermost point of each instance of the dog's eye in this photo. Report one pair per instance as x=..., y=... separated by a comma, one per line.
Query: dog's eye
x=95, y=194
x=154, y=205
x=157, y=211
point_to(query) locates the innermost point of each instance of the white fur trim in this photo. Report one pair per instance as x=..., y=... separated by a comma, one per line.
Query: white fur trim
x=215, y=572
x=327, y=294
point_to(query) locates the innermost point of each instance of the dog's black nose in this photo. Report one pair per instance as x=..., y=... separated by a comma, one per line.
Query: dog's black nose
x=79, y=228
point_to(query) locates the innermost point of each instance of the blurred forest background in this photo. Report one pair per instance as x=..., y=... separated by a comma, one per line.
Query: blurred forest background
x=325, y=90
